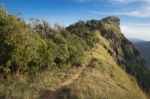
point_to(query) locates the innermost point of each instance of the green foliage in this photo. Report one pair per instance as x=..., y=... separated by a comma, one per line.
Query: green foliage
x=105, y=26
x=18, y=46
x=76, y=47
x=91, y=39
x=85, y=30
x=39, y=46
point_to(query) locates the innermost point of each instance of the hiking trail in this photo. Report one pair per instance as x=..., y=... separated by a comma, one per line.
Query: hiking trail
x=54, y=94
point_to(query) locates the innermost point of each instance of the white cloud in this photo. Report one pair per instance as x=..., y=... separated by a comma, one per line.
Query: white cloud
x=122, y=1
x=134, y=31
x=128, y=1
x=146, y=0
x=141, y=31
x=143, y=24
x=116, y=1
x=143, y=12
x=104, y=13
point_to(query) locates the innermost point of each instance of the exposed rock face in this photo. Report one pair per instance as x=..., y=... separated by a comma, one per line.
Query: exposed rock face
x=123, y=49
x=126, y=54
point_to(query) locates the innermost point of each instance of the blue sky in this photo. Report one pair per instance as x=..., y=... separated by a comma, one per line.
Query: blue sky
x=134, y=14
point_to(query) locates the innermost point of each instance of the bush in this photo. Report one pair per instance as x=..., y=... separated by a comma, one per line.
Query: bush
x=38, y=45
x=19, y=46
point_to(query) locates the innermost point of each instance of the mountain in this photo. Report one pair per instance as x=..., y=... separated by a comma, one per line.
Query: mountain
x=86, y=60
x=135, y=40
x=143, y=47
x=121, y=50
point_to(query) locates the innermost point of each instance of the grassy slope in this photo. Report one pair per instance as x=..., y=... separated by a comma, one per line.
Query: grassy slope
x=32, y=85
x=101, y=79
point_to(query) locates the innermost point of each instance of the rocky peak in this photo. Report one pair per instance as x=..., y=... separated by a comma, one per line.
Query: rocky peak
x=111, y=19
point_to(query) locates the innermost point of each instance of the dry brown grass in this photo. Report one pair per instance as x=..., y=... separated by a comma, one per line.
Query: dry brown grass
x=103, y=79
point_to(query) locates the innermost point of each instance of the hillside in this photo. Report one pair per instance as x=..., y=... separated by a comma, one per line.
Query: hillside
x=85, y=60
x=102, y=79
x=143, y=47
x=135, y=40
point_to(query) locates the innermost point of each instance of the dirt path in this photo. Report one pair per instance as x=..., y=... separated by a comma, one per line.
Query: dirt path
x=48, y=94
x=56, y=93
x=70, y=81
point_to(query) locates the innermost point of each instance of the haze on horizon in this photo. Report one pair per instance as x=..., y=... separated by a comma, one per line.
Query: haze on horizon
x=134, y=14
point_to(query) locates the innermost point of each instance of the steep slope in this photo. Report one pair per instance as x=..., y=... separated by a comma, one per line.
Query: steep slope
x=122, y=51
x=102, y=79
x=129, y=57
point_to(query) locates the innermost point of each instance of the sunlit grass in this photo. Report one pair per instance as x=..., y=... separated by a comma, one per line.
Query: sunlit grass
x=102, y=79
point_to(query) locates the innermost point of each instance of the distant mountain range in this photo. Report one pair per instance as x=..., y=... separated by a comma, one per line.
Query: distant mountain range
x=143, y=47
x=136, y=40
